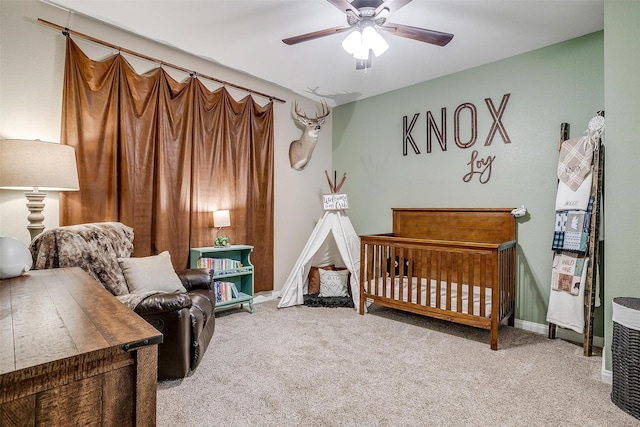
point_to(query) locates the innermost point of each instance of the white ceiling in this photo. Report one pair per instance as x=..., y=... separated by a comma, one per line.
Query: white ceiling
x=247, y=36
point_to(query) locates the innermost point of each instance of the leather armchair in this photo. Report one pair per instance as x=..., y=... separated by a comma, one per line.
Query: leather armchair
x=186, y=320
x=187, y=323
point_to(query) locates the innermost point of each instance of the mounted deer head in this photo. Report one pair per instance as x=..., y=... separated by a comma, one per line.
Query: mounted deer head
x=301, y=149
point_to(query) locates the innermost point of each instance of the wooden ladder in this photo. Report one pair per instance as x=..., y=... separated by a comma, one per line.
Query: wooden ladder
x=593, y=247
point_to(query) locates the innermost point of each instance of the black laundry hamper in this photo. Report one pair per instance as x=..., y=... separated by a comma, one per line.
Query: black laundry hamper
x=625, y=350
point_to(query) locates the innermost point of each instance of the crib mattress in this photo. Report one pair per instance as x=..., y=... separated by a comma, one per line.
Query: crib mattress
x=409, y=294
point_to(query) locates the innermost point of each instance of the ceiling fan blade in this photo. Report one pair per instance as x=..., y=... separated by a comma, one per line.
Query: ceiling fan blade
x=391, y=5
x=421, y=34
x=345, y=6
x=315, y=35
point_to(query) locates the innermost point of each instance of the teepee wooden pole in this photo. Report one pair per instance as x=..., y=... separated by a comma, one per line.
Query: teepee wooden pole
x=344, y=176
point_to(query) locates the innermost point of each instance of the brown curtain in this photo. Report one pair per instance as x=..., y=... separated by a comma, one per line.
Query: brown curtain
x=160, y=156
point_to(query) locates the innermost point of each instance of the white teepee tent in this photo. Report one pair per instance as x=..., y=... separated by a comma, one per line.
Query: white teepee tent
x=333, y=241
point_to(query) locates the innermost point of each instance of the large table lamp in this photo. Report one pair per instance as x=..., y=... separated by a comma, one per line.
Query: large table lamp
x=35, y=167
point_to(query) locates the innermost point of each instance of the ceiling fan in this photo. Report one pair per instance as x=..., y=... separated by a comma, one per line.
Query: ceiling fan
x=364, y=16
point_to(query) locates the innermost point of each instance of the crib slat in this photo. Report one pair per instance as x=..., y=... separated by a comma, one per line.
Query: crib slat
x=411, y=287
x=372, y=269
x=483, y=285
x=471, y=280
x=501, y=282
x=448, y=268
x=438, y=266
x=377, y=273
x=385, y=253
x=429, y=277
x=392, y=273
x=459, y=280
x=400, y=275
x=382, y=255
x=417, y=268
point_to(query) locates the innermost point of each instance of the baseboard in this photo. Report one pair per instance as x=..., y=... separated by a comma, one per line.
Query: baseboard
x=567, y=335
x=605, y=374
x=265, y=296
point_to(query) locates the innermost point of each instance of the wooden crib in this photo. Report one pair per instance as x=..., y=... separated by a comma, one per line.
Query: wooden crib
x=434, y=256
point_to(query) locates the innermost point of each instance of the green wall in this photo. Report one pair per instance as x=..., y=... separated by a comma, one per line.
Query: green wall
x=622, y=193
x=559, y=83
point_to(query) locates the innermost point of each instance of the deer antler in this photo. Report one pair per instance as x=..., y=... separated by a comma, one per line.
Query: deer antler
x=296, y=108
x=325, y=110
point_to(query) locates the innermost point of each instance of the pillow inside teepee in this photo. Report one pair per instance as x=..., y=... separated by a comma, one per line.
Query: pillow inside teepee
x=333, y=283
x=314, y=278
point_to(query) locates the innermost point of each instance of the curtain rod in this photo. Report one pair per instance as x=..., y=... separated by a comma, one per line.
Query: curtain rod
x=67, y=32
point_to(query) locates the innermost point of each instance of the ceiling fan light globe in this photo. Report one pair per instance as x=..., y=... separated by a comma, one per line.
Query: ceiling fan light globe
x=352, y=42
x=374, y=41
x=380, y=48
x=361, y=53
x=368, y=37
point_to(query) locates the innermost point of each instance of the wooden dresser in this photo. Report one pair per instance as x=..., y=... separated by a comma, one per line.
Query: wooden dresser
x=72, y=354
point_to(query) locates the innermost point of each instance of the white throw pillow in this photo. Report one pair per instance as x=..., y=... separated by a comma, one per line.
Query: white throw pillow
x=152, y=273
x=333, y=283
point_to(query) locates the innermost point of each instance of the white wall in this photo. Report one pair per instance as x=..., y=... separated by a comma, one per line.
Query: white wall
x=31, y=75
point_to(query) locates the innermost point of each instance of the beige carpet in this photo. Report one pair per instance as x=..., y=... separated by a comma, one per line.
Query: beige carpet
x=331, y=367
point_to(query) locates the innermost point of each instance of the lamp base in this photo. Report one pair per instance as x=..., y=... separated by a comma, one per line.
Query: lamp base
x=221, y=242
x=35, y=204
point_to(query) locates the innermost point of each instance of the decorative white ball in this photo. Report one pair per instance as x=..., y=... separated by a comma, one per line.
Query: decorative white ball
x=15, y=258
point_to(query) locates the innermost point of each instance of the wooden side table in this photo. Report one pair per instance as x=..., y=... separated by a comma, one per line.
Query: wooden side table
x=72, y=354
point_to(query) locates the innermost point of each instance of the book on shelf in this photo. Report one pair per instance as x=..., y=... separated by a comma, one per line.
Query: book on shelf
x=225, y=291
x=218, y=264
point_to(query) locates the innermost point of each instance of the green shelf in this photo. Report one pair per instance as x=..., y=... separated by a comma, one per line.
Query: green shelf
x=242, y=277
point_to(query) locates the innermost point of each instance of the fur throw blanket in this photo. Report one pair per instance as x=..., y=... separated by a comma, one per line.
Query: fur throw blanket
x=95, y=248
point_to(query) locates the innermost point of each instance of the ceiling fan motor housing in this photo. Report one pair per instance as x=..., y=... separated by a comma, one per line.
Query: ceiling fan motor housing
x=365, y=13
x=366, y=4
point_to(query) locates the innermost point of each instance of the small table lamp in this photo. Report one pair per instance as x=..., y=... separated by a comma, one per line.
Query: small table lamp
x=221, y=219
x=37, y=166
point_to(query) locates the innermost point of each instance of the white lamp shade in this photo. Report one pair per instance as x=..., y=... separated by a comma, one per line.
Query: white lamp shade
x=26, y=164
x=15, y=258
x=221, y=218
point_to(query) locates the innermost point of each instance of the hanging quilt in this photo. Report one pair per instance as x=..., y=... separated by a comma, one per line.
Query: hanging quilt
x=571, y=231
x=566, y=307
x=566, y=275
x=568, y=199
x=574, y=164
